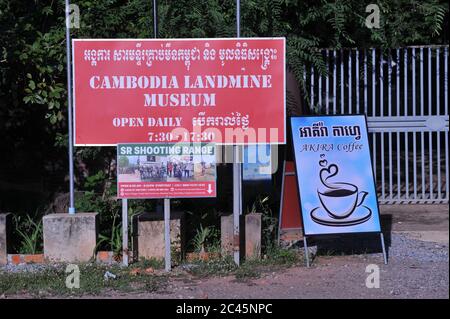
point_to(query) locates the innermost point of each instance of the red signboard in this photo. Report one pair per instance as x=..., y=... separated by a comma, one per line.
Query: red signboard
x=227, y=91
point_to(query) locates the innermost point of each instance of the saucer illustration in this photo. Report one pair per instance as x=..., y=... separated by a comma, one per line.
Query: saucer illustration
x=360, y=215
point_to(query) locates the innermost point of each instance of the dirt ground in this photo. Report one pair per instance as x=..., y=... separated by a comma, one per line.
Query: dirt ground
x=418, y=267
x=417, y=242
x=422, y=274
x=334, y=277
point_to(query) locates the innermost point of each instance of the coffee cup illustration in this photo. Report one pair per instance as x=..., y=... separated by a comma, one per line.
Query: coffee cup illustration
x=339, y=199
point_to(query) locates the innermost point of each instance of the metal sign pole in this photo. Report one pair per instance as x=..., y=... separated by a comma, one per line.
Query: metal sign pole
x=155, y=18
x=69, y=107
x=167, y=259
x=237, y=177
x=125, y=231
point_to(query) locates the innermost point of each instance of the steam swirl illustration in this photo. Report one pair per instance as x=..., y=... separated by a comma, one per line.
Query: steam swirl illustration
x=327, y=173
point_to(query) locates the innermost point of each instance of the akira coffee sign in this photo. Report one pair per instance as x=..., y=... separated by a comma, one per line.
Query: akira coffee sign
x=335, y=176
x=166, y=170
x=228, y=91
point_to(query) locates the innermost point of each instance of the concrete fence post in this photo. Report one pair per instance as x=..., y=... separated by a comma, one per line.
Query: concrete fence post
x=5, y=231
x=70, y=237
x=253, y=235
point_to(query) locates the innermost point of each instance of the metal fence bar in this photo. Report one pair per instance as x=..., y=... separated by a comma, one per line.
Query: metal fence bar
x=365, y=82
x=383, y=177
x=342, y=81
x=357, y=81
x=397, y=105
x=390, y=114
x=413, y=167
x=320, y=91
x=383, y=180
x=414, y=113
x=422, y=112
x=406, y=113
x=327, y=84
x=438, y=134
x=446, y=84
x=334, y=82
x=430, y=135
x=350, y=83
x=312, y=88
x=446, y=166
x=374, y=145
x=446, y=114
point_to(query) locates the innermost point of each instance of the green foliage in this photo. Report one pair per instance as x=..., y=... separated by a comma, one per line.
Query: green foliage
x=143, y=263
x=206, y=239
x=215, y=267
x=93, y=181
x=199, y=221
x=30, y=234
x=276, y=255
x=100, y=197
x=52, y=281
x=275, y=258
x=33, y=50
x=247, y=271
x=114, y=239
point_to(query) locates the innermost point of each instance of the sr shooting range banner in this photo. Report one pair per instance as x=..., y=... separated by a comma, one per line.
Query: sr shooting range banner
x=334, y=175
x=227, y=91
x=166, y=170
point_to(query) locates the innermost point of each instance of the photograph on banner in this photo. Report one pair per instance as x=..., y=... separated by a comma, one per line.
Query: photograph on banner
x=227, y=91
x=334, y=175
x=166, y=170
x=257, y=163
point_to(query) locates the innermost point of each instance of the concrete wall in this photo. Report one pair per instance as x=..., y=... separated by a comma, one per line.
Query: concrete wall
x=70, y=237
x=148, y=235
x=226, y=235
x=253, y=235
x=5, y=231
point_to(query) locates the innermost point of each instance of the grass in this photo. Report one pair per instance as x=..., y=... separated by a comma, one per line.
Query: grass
x=154, y=263
x=276, y=258
x=51, y=281
x=215, y=267
x=29, y=233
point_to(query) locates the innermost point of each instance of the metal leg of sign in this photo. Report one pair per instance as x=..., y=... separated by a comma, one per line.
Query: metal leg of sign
x=236, y=204
x=384, y=248
x=167, y=259
x=125, y=231
x=280, y=215
x=305, y=245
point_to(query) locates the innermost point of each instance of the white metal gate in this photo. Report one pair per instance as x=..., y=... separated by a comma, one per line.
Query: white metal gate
x=404, y=93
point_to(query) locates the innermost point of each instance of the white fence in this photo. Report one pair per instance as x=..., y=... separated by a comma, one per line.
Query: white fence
x=404, y=93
